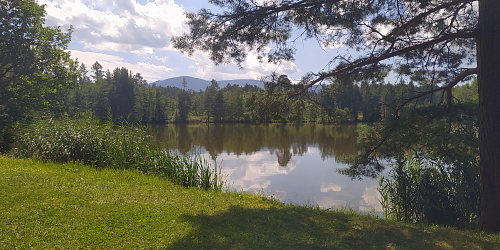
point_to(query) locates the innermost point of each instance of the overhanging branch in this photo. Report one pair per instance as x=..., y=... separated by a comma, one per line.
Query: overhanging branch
x=368, y=61
x=425, y=14
x=448, y=87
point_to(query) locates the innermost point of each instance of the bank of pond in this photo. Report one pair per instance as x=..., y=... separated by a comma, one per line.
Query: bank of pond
x=291, y=163
x=76, y=206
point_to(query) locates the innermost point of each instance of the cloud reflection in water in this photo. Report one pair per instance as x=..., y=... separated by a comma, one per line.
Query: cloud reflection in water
x=293, y=163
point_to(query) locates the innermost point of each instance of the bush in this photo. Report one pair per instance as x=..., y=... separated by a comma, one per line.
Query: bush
x=125, y=146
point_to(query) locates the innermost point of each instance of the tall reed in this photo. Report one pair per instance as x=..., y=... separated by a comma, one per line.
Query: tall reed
x=426, y=191
x=123, y=146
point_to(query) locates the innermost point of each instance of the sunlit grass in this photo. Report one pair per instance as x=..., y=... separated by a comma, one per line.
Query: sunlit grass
x=72, y=206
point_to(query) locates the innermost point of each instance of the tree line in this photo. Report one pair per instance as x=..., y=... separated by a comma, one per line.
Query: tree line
x=127, y=96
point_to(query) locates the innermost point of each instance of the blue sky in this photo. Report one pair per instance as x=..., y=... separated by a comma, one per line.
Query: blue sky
x=136, y=35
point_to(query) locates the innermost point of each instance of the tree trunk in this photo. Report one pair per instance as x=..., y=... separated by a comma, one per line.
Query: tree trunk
x=488, y=62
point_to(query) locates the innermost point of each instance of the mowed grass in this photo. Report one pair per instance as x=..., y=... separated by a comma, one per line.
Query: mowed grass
x=71, y=206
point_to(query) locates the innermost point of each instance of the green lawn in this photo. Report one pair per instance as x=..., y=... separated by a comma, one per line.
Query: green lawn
x=70, y=206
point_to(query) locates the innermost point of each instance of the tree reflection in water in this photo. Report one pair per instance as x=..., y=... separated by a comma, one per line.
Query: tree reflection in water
x=283, y=140
x=293, y=163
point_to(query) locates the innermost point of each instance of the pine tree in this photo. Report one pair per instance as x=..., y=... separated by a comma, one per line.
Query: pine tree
x=427, y=42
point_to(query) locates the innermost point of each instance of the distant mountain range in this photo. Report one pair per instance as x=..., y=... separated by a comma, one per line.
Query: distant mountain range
x=196, y=83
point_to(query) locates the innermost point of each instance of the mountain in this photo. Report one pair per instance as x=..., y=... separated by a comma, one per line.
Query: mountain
x=196, y=83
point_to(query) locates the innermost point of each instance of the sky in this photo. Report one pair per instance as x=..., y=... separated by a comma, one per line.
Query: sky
x=137, y=35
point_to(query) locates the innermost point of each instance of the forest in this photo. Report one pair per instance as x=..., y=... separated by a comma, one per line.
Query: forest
x=129, y=97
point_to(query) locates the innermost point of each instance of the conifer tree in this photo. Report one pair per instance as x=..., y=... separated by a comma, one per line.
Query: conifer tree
x=437, y=43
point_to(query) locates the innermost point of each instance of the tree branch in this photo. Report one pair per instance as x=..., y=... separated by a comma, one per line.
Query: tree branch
x=425, y=14
x=364, y=62
x=448, y=87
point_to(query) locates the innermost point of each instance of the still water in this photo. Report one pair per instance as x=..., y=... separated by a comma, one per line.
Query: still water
x=293, y=163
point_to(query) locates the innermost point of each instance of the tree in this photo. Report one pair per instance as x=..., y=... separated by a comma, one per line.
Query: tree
x=218, y=104
x=233, y=103
x=210, y=99
x=97, y=71
x=35, y=68
x=488, y=77
x=184, y=83
x=139, y=80
x=97, y=98
x=84, y=78
x=428, y=41
x=159, y=115
x=183, y=105
x=122, y=97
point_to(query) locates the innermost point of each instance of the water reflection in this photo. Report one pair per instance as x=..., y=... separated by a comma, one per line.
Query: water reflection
x=282, y=140
x=294, y=163
x=371, y=200
x=326, y=187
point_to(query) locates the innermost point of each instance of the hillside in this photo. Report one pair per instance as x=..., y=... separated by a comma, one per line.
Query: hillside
x=197, y=84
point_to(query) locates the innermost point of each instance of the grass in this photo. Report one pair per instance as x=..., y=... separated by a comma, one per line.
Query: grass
x=74, y=206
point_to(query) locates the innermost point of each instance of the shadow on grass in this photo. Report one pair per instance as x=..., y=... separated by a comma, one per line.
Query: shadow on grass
x=303, y=228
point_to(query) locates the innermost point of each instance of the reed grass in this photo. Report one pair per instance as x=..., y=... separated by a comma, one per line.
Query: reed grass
x=423, y=191
x=123, y=146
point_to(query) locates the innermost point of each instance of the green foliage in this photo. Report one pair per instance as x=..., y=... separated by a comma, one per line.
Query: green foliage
x=128, y=96
x=122, y=94
x=439, y=184
x=467, y=93
x=183, y=105
x=233, y=104
x=108, y=146
x=150, y=105
x=62, y=140
x=35, y=68
x=454, y=139
x=219, y=112
x=213, y=102
x=337, y=102
x=431, y=192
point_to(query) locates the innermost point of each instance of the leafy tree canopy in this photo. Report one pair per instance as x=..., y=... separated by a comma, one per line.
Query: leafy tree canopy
x=35, y=67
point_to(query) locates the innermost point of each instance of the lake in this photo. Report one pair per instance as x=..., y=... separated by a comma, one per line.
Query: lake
x=293, y=163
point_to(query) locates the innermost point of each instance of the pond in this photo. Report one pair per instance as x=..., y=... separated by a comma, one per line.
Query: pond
x=293, y=163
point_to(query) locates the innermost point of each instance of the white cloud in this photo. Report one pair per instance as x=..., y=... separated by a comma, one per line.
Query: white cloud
x=252, y=68
x=135, y=30
x=331, y=45
x=149, y=71
x=326, y=40
x=155, y=57
x=119, y=25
